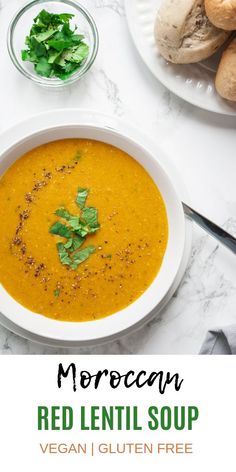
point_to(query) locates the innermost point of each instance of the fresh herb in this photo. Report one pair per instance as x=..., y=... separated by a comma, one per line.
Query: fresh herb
x=63, y=254
x=75, y=222
x=63, y=213
x=57, y=292
x=90, y=217
x=75, y=231
x=81, y=256
x=60, y=229
x=74, y=243
x=43, y=68
x=82, y=197
x=53, y=47
x=77, y=156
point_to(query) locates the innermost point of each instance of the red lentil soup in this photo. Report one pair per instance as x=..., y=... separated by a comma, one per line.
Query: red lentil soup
x=128, y=244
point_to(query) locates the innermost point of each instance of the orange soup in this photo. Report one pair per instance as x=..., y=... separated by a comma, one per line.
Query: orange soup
x=83, y=230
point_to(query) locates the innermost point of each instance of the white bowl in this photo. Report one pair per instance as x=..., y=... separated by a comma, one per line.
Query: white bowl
x=139, y=311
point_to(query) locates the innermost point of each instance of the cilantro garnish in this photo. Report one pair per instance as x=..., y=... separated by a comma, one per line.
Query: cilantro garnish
x=63, y=254
x=57, y=292
x=74, y=243
x=81, y=256
x=60, y=229
x=75, y=230
x=77, y=156
x=53, y=47
x=90, y=216
x=81, y=197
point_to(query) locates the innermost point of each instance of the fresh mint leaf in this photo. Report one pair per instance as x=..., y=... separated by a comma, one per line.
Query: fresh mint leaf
x=82, y=197
x=60, y=230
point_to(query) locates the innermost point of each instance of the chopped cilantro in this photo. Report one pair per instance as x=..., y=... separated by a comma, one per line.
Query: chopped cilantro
x=63, y=254
x=53, y=47
x=44, y=18
x=60, y=229
x=63, y=213
x=74, y=243
x=43, y=68
x=90, y=216
x=77, y=156
x=57, y=292
x=75, y=231
x=45, y=35
x=74, y=221
x=81, y=256
x=77, y=54
x=82, y=197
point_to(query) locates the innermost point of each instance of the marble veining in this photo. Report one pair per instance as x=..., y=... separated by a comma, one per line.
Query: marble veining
x=111, y=91
x=116, y=6
x=200, y=145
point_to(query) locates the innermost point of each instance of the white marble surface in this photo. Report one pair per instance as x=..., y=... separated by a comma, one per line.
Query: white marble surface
x=201, y=145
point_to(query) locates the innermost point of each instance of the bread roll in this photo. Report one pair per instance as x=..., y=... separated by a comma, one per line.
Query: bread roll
x=226, y=74
x=183, y=32
x=222, y=13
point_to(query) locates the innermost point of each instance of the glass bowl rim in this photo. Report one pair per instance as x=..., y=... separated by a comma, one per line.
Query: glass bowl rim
x=44, y=81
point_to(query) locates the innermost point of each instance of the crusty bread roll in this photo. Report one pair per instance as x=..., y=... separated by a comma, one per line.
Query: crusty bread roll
x=183, y=32
x=222, y=13
x=226, y=74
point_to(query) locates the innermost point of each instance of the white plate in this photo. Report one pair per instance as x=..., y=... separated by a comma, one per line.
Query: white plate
x=72, y=123
x=193, y=82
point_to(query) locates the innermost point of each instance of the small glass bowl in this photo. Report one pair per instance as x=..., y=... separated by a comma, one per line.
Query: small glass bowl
x=20, y=26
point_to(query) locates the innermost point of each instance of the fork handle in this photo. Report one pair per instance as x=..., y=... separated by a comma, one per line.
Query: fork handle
x=218, y=233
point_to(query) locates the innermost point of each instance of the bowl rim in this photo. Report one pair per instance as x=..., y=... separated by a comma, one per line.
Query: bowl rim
x=44, y=81
x=102, y=329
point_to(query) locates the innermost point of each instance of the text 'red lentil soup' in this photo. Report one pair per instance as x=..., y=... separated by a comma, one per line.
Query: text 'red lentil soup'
x=83, y=230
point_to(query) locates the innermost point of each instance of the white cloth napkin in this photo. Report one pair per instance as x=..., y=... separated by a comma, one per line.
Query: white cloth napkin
x=220, y=341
